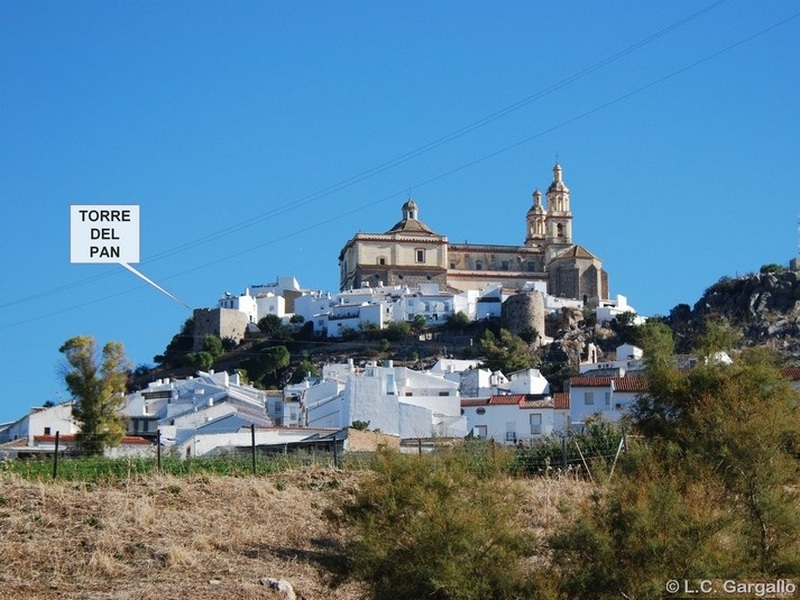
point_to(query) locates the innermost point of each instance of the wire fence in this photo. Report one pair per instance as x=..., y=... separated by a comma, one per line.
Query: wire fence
x=577, y=456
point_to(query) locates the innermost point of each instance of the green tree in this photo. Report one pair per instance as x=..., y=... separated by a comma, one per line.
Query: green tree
x=507, y=353
x=180, y=344
x=717, y=335
x=418, y=324
x=213, y=345
x=201, y=361
x=268, y=362
x=304, y=368
x=397, y=331
x=272, y=326
x=744, y=419
x=98, y=391
x=458, y=320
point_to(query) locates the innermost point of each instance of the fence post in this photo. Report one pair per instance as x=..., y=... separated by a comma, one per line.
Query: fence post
x=253, y=446
x=419, y=446
x=55, y=457
x=564, y=452
x=158, y=451
x=335, y=453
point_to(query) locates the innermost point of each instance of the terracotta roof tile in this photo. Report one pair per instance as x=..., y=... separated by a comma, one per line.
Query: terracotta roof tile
x=561, y=401
x=621, y=384
x=792, y=373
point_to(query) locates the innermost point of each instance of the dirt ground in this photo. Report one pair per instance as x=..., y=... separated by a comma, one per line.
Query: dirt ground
x=203, y=537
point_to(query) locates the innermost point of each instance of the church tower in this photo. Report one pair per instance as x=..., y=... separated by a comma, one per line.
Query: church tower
x=536, y=221
x=559, y=216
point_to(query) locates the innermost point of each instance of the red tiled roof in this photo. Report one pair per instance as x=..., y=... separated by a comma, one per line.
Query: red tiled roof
x=621, y=384
x=474, y=402
x=128, y=440
x=792, y=373
x=508, y=399
x=561, y=401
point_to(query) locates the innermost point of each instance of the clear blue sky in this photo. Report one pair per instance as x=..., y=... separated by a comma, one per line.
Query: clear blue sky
x=258, y=137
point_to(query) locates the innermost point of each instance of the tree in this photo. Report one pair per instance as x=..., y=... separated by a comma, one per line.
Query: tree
x=213, y=345
x=97, y=390
x=508, y=353
x=458, y=320
x=744, y=420
x=272, y=326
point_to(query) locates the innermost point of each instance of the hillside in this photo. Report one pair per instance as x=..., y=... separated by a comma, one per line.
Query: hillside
x=763, y=307
x=160, y=538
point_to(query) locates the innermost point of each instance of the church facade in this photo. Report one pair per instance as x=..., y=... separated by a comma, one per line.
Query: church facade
x=411, y=253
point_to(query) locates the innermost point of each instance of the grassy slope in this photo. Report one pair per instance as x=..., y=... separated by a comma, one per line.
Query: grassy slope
x=195, y=537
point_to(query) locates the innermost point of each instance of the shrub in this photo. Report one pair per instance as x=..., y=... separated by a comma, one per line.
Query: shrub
x=432, y=526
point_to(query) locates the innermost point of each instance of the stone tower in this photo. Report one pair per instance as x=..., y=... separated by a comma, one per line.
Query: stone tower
x=524, y=313
x=536, y=222
x=559, y=215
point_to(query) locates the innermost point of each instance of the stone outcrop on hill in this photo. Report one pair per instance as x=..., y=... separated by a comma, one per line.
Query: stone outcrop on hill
x=764, y=307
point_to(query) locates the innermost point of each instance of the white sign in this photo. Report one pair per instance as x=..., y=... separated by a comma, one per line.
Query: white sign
x=104, y=233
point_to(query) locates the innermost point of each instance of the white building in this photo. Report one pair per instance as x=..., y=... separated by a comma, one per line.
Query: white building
x=609, y=397
x=395, y=400
x=608, y=310
x=628, y=358
x=41, y=421
x=517, y=418
x=180, y=407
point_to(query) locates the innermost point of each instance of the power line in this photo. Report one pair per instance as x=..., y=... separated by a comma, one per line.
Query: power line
x=445, y=174
x=389, y=164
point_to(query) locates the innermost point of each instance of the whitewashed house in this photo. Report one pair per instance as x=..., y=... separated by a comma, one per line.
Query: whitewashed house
x=180, y=408
x=395, y=400
x=517, y=418
x=628, y=358
x=609, y=397
x=41, y=421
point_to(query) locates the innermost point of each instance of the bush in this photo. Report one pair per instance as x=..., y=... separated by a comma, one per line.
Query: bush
x=432, y=526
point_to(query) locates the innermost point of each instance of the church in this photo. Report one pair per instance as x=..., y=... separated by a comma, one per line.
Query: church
x=411, y=253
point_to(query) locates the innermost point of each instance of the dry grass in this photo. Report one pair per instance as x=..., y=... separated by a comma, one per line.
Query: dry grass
x=202, y=538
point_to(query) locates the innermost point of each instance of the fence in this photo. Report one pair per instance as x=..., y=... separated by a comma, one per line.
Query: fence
x=576, y=456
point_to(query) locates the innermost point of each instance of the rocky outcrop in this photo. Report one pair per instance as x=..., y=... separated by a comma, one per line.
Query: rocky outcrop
x=765, y=307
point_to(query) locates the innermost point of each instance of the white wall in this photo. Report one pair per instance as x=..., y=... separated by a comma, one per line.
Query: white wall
x=497, y=419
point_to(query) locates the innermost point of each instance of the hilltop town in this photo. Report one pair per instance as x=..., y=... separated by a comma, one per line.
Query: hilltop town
x=419, y=314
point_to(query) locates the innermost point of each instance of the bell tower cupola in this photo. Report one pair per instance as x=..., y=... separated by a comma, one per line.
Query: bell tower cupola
x=559, y=216
x=536, y=221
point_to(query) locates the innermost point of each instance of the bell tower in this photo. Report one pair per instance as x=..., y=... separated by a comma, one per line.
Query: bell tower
x=559, y=216
x=536, y=221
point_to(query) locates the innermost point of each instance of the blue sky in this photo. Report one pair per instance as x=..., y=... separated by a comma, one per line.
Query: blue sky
x=258, y=137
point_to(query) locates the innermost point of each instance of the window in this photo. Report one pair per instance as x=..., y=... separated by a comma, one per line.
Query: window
x=479, y=431
x=478, y=265
x=481, y=411
x=511, y=431
x=504, y=266
x=588, y=398
x=381, y=261
x=47, y=431
x=452, y=265
x=536, y=423
x=444, y=393
x=420, y=255
x=608, y=398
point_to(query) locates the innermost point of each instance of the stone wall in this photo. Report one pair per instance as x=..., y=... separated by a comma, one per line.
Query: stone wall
x=222, y=322
x=523, y=313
